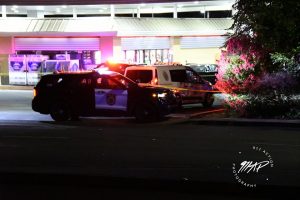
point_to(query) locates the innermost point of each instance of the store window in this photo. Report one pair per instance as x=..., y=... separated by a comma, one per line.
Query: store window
x=26, y=67
x=147, y=56
x=66, y=60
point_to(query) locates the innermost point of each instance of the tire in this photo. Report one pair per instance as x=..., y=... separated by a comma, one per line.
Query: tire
x=60, y=111
x=209, y=100
x=146, y=113
x=179, y=103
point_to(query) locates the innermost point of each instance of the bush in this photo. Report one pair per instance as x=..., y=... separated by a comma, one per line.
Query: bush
x=279, y=83
x=268, y=106
x=253, y=91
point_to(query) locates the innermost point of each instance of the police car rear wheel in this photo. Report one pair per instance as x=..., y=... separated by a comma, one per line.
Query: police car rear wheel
x=60, y=112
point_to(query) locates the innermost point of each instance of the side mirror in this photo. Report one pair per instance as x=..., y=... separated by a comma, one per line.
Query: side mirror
x=201, y=81
x=196, y=79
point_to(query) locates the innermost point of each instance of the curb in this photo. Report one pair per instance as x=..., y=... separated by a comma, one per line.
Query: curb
x=15, y=87
x=200, y=114
x=247, y=122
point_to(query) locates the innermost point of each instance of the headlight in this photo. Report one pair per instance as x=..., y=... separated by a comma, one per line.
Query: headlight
x=162, y=95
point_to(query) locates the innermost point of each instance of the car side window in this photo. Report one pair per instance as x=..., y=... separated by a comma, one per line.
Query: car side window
x=114, y=84
x=101, y=82
x=193, y=77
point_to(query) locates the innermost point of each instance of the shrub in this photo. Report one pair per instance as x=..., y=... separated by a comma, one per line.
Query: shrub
x=251, y=90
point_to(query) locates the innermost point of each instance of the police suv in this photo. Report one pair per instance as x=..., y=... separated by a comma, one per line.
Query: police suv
x=69, y=95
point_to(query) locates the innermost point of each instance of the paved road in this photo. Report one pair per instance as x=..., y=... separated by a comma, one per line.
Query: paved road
x=16, y=105
x=178, y=152
x=36, y=148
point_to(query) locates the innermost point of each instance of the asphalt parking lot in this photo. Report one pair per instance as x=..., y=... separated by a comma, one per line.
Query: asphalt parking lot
x=16, y=105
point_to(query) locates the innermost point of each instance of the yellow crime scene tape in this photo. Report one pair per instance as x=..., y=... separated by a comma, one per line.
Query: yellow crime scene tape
x=184, y=89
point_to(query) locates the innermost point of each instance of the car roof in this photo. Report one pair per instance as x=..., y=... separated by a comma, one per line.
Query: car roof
x=106, y=72
x=83, y=73
x=199, y=64
x=62, y=74
x=151, y=67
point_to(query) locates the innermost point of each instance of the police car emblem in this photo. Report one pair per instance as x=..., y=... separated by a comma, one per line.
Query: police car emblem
x=111, y=99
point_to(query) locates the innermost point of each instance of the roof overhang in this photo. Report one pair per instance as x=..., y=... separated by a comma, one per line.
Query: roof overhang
x=106, y=26
x=87, y=2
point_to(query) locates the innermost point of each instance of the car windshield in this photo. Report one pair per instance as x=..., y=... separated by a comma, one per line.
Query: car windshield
x=200, y=68
x=124, y=80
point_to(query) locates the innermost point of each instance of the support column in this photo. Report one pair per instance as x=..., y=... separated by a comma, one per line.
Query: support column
x=139, y=12
x=3, y=11
x=7, y=47
x=106, y=48
x=74, y=13
x=118, y=54
x=175, y=49
x=175, y=11
x=112, y=11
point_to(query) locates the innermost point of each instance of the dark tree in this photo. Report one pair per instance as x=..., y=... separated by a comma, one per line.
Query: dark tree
x=272, y=24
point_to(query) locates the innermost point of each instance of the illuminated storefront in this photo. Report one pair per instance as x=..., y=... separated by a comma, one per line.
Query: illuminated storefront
x=36, y=56
x=39, y=44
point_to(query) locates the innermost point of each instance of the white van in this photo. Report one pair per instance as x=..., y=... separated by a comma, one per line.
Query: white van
x=190, y=87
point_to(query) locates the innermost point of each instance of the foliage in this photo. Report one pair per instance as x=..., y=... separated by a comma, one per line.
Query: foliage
x=275, y=84
x=237, y=67
x=266, y=106
x=259, y=70
x=284, y=63
x=252, y=90
x=272, y=24
x=293, y=113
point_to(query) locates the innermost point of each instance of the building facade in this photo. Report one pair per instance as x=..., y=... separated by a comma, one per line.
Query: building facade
x=31, y=46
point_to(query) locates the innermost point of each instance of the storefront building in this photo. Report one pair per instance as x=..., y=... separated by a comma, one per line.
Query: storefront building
x=32, y=46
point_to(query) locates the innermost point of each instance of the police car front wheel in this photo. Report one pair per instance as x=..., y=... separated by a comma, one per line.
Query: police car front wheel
x=60, y=111
x=146, y=113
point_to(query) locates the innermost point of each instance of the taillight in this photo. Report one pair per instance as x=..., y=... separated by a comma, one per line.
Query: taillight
x=34, y=93
x=154, y=82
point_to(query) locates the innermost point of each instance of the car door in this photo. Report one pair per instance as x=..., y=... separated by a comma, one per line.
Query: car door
x=110, y=95
x=195, y=84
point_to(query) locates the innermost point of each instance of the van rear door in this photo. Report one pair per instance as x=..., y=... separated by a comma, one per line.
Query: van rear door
x=140, y=75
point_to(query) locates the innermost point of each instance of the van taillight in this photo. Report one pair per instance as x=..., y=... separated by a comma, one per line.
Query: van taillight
x=34, y=92
x=154, y=82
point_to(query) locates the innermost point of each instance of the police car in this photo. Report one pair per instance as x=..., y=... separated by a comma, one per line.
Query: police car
x=69, y=95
